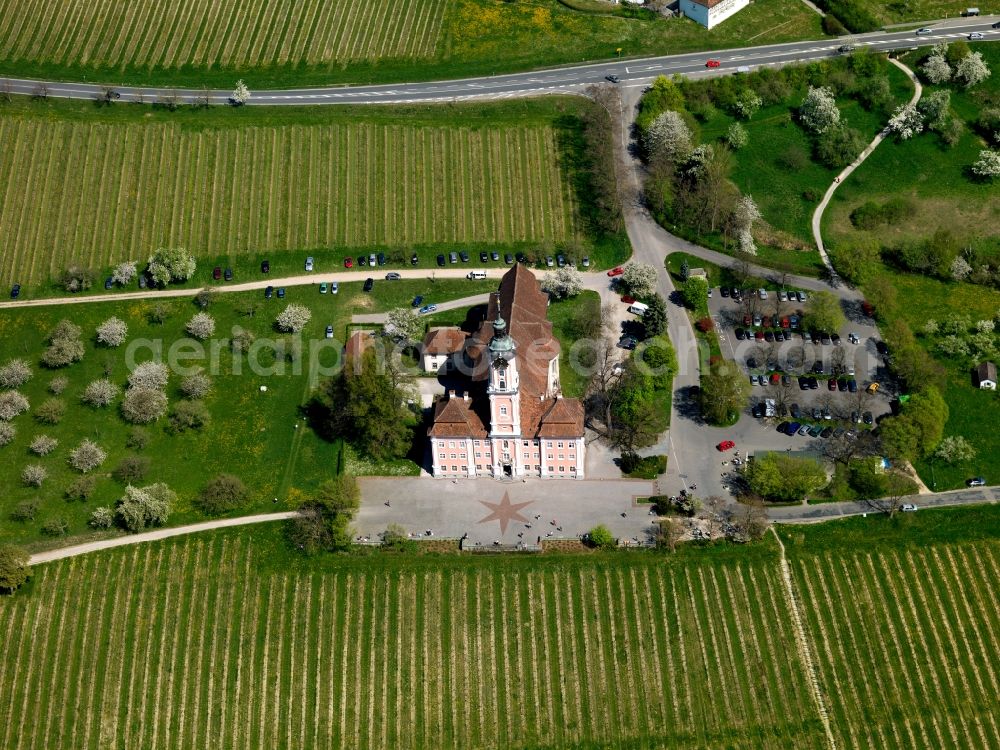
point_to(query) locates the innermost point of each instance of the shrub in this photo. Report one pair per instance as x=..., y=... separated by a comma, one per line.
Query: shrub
x=43, y=445
x=12, y=404
x=201, y=326
x=871, y=214
x=143, y=405
x=222, y=494
x=58, y=384
x=188, y=415
x=100, y=393
x=112, y=332
x=138, y=438
x=51, y=411
x=87, y=456
x=747, y=104
x=293, y=318
x=131, y=469
x=853, y=14
x=793, y=158
x=102, y=518
x=14, y=374
x=196, y=386
x=33, y=475
x=25, y=511
x=839, y=146
x=600, y=537
x=149, y=375
x=65, y=345
x=56, y=527
x=833, y=26
x=7, y=433
x=81, y=488
x=77, y=279
x=705, y=325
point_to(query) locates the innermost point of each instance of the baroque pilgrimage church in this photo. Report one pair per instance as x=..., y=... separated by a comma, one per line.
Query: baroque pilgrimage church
x=512, y=421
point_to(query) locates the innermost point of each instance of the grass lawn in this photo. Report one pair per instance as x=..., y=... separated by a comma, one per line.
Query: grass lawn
x=259, y=436
x=901, y=11
x=351, y=41
x=236, y=186
x=931, y=176
x=562, y=313
x=614, y=650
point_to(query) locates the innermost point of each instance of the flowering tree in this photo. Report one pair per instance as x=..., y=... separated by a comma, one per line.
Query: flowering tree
x=171, y=264
x=123, y=273
x=12, y=403
x=241, y=94
x=935, y=108
x=955, y=449
x=149, y=375
x=972, y=69
x=43, y=445
x=563, y=282
x=33, y=475
x=294, y=318
x=99, y=393
x=143, y=405
x=668, y=137
x=906, y=122
x=87, y=456
x=7, y=433
x=102, y=518
x=737, y=136
x=936, y=69
x=403, y=324
x=960, y=268
x=747, y=103
x=201, y=325
x=148, y=506
x=987, y=165
x=744, y=216
x=818, y=111
x=639, y=279
x=14, y=374
x=197, y=385
x=112, y=332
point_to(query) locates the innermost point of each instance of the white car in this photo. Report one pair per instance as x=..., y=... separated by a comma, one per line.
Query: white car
x=334, y=287
x=922, y=32
x=762, y=293
x=309, y=263
x=908, y=508
x=976, y=35
x=782, y=296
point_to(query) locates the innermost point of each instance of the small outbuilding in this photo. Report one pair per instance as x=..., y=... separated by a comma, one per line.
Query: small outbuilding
x=698, y=273
x=440, y=345
x=985, y=376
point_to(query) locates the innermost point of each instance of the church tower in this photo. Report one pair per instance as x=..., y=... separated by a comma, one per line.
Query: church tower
x=505, y=402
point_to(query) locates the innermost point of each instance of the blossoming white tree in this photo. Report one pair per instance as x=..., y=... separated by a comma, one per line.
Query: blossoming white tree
x=294, y=318
x=906, y=122
x=818, y=112
x=201, y=325
x=241, y=94
x=112, y=332
x=668, y=137
x=987, y=165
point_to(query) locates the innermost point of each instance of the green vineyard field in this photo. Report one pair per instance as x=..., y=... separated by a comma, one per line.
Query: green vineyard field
x=95, y=193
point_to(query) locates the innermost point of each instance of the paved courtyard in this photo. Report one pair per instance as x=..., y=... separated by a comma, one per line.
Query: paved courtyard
x=508, y=512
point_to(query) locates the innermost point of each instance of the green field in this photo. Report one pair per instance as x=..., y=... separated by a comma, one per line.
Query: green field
x=261, y=437
x=932, y=177
x=228, y=640
x=274, y=43
x=94, y=188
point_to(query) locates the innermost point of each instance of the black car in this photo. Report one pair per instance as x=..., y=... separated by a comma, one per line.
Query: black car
x=724, y=291
x=109, y=282
x=228, y=274
x=881, y=347
x=417, y=301
x=522, y=258
x=768, y=335
x=611, y=78
x=628, y=342
x=464, y=256
x=508, y=259
x=835, y=338
x=842, y=385
x=867, y=417
x=803, y=383
x=783, y=428
x=827, y=431
x=735, y=293
x=369, y=283
x=440, y=259
x=381, y=259
x=269, y=292
x=814, y=337
x=818, y=367
x=813, y=383
x=786, y=335
x=15, y=291
x=483, y=257
x=758, y=410
x=795, y=411
x=825, y=339
x=740, y=334
x=414, y=259
x=786, y=379
x=265, y=266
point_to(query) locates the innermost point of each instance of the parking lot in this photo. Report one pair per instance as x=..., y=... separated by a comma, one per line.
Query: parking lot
x=824, y=381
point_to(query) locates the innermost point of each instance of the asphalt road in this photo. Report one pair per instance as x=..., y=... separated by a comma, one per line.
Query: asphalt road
x=569, y=79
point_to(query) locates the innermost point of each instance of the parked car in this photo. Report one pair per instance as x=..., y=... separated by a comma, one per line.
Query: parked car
x=414, y=259
x=464, y=256
x=852, y=385
x=842, y=385
x=831, y=384
x=757, y=320
x=508, y=259
x=786, y=380
x=348, y=263
x=453, y=257
x=712, y=63
x=817, y=413
x=726, y=445
x=835, y=338
x=309, y=263
x=109, y=282
x=392, y=276
x=586, y=261
x=768, y=335
x=362, y=260
x=484, y=257
x=804, y=430
x=380, y=258
x=827, y=431
x=616, y=271
x=494, y=256
x=815, y=430
x=882, y=348
x=417, y=301
x=322, y=288
x=740, y=334
x=369, y=284
x=867, y=417
x=265, y=266
x=521, y=257
x=549, y=261
x=813, y=383
x=217, y=273
x=15, y=291
x=628, y=342
x=281, y=292
x=762, y=293
x=628, y=299
x=758, y=335
x=803, y=383
x=561, y=260
x=724, y=291
x=142, y=281
x=428, y=309
x=908, y=508
x=372, y=259
x=802, y=296
x=269, y=292
x=976, y=482
x=782, y=295
x=329, y=332
x=334, y=287
x=856, y=417
x=827, y=414
x=440, y=259
x=824, y=338
x=228, y=274
x=783, y=427
x=793, y=428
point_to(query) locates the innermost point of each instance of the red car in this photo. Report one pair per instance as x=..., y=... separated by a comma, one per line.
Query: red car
x=217, y=273
x=712, y=63
x=628, y=300
x=618, y=271
x=726, y=445
x=348, y=263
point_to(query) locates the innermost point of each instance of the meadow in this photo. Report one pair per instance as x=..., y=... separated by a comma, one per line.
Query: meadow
x=94, y=187
x=230, y=640
x=262, y=437
x=273, y=43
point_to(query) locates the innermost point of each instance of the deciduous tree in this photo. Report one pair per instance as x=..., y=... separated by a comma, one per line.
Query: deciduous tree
x=14, y=373
x=14, y=568
x=818, y=111
x=112, y=332
x=293, y=318
x=638, y=280
x=87, y=456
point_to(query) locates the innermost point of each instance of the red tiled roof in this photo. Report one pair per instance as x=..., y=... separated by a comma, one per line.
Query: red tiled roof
x=707, y=3
x=456, y=417
x=444, y=341
x=358, y=344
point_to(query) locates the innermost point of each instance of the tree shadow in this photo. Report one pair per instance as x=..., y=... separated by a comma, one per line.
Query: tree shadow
x=687, y=403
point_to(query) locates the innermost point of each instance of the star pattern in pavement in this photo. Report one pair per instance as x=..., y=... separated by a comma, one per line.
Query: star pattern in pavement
x=505, y=511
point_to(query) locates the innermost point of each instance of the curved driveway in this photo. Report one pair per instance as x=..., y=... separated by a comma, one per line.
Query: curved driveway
x=570, y=79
